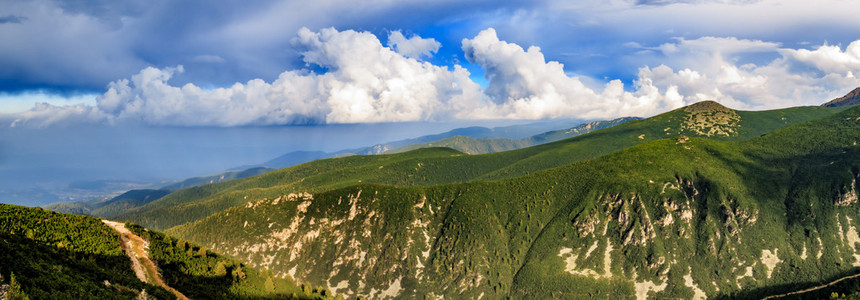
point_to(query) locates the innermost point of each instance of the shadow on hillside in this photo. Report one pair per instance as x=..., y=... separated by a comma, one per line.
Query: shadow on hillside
x=843, y=287
x=48, y=272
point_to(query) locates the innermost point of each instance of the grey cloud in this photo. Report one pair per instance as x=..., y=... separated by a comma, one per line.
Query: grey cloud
x=13, y=19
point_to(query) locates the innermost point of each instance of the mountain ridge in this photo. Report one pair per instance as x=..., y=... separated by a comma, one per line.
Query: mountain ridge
x=852, y=98
x=471, y=145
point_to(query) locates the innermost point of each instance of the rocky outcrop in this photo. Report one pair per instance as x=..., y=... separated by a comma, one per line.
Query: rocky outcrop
x=851, y=98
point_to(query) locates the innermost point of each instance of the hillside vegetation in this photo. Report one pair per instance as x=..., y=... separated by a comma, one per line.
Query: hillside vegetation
x=61, y=256
x=737, y=214
x=52, y=255
x=432, y=166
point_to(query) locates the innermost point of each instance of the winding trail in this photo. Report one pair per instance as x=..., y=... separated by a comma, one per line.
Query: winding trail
x=812, y=288
x=135, y=248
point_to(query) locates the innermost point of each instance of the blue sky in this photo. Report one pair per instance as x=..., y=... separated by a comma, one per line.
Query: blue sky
x=592, y=59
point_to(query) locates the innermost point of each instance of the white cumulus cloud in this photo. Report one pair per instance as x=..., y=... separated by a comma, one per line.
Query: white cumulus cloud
x=365, y=82
x=711, y=68
x=829, y=58
x=523, y=85
x=414, y=46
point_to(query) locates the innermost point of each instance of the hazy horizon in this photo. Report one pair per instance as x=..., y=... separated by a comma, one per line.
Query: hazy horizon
x=52, y=159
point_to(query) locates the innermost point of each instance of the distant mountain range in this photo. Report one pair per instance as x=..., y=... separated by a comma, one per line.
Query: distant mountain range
x=498, y=138
x=473, y=145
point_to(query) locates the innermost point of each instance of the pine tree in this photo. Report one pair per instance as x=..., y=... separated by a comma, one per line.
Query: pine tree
x=220, y=269
x=15, y=291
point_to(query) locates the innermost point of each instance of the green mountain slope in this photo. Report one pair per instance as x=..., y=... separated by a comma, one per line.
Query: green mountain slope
x=431, y=166
x=470, y=145
x=670, y=218
x=61, y=256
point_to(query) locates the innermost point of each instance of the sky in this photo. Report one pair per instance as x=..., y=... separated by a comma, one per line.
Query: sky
x=178, y=66
x=197, y=63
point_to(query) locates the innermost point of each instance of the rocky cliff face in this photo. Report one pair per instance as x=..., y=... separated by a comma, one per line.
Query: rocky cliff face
x=851, y=98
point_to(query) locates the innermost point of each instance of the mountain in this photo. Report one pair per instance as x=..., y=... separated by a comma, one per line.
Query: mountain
x=702, y=201
x=555, y=135
x=725, y=209
x=296, y=158
x=852, y=98
x=225, y=176
x=470, y=145
x=110, y=207
x=475, y=132
x=432, y=166
x=48, y=255
x=500, y=224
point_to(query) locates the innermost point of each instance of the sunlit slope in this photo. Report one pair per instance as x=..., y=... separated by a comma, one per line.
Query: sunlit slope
x=672, y=218
x=704, y=119
x=432, y=166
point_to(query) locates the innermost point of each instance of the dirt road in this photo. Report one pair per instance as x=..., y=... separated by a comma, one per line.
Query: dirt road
x=135, y=248
x=812, y=288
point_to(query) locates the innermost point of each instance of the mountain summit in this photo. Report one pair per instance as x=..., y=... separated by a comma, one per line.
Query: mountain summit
x=706, y=106
x=851, y=98
x=709, y=118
